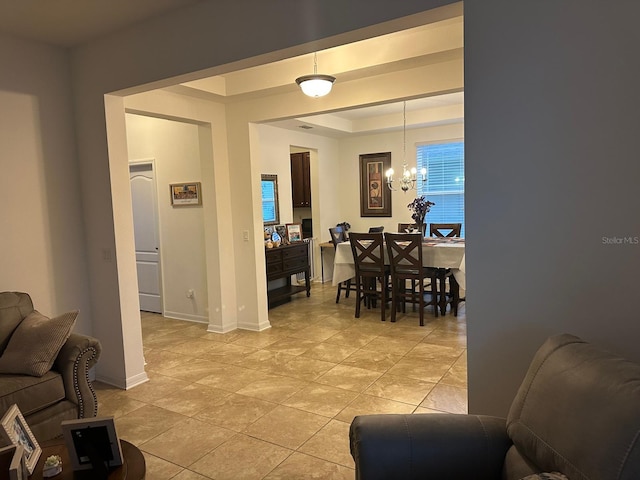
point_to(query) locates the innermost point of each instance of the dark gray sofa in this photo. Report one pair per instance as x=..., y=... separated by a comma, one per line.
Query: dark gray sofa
x=64, y=392
x=577, y=412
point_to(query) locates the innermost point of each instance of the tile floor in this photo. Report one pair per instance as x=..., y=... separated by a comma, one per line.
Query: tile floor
x=277, y=404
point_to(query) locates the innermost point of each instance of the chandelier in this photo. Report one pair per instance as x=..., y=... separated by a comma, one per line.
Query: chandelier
x=408, y=178
x=316, y=85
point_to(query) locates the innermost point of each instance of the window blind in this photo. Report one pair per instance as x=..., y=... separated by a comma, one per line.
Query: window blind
x=445, y=181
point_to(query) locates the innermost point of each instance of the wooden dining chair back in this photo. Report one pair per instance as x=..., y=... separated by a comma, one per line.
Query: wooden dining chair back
x=376, y=229
x=406, y=262
x=371, y=271
x=338, y=235
x=445, y=229
x=409, y=227
x=449, y=288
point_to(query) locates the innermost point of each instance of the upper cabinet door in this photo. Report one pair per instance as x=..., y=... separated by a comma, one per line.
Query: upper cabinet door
x=300, y=180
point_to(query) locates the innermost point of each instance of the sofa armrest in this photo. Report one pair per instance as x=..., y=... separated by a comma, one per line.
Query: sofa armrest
x=428, y=446
x=77, y=356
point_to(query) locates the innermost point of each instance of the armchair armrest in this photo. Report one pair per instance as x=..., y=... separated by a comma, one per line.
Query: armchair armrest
x=77, y=356
x=428, y=446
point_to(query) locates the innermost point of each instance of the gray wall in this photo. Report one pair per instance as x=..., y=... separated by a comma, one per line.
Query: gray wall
x=551, y=115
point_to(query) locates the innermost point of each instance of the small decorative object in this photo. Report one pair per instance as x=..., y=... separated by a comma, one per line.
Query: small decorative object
x=184, y=194
x=275, y=238
x=16, y=431
x=269, y=244
x=282, y=231
x=419, y=208
x=52, y=466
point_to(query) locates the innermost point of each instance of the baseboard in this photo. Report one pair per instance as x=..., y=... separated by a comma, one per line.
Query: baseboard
x=128, y=383
x=252, y=326
x=186, y=316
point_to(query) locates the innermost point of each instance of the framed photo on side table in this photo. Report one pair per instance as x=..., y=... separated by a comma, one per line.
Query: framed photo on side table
x=91, y=440
x=294, y=232
x=16, y=431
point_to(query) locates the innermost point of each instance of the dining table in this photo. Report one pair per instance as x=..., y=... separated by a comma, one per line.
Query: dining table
x=438, y=252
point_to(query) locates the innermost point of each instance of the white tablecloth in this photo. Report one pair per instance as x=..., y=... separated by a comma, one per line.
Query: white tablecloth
x=441, y=255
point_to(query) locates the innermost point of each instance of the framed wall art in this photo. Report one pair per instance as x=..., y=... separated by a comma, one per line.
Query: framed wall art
x=375, y=196
x=185, y=194
x=16, y=432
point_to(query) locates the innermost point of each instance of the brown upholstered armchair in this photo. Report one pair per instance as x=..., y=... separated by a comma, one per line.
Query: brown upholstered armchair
x=46, y=390
x=576, y=413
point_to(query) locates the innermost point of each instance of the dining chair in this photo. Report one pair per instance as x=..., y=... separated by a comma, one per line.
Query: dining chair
x=407, y=227
x=405, y=258
x=368, y=257
x=450, y=295
x=445, y=229
x=338, y=236
x=376, y=229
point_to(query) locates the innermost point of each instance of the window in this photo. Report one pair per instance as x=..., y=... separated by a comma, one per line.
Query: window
x=270, y=210
x=445, y=181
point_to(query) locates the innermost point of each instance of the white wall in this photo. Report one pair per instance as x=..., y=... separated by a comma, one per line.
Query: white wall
x=551, y=115
x=175, y=147
x=349, y=174
x=41, y=226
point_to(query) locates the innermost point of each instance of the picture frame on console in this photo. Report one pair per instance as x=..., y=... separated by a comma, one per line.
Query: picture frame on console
x=16, y=431
x=92, y=443
x=294, y=232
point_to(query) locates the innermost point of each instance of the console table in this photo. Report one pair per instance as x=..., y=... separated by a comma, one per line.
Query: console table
x=282, y=262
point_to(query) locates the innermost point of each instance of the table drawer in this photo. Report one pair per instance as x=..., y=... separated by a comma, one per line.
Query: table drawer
x=295, y=263
x=274, y=268
x=297, y=251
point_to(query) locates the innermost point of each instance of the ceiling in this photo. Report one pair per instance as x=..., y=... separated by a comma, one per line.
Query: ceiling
x=67, y=23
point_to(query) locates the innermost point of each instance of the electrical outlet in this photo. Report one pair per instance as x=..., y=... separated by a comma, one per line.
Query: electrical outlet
x=245, y=235
x=190, y=293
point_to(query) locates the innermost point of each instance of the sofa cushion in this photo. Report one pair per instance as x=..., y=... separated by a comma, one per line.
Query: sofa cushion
x=576, y=412
x=31, y=394
x=14, y=306
x=34, y=345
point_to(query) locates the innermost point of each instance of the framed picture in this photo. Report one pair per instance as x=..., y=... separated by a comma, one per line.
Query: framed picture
x=294, y=232
x=270, y=207
x=12, y=461
x=92, y=443
x=282, y=231
x=184, y=194
x=375, y=196
x=16, y=431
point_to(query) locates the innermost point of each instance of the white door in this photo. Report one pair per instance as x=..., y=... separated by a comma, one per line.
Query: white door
x=145, y=225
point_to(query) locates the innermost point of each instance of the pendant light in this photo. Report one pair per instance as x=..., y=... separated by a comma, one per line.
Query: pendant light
x=408, y=178
x=316, y=85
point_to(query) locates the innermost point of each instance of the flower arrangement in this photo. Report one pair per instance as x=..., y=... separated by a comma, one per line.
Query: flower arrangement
x=419, y=208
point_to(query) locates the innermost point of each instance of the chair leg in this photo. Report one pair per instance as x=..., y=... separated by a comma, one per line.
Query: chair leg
x=359, y=296
x=454, y=287
x=348, y=285
x=338, y=294
x=421, y=301
x=443, y=293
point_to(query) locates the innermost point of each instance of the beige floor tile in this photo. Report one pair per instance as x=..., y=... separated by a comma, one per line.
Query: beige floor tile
x=230, y=378
x=177, y=444
x=292, y=346
x=192, y=399
x=241, y=457
x=305, y=467
x=330, y=352
x=349, y=378
x=273, y=388
x=236, y=411
x=287, y=427
x=331, y=443
x=420, y=369
x=306, y=368
x=400, y=389
x=321, y=399
x=368, y=405
x=313, y=365
x=447, y=399
x=159, y=469
x=372, y=360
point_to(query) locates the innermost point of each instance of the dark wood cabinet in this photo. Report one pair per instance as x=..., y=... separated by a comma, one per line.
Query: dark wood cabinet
x=282, y=262
x=300, y=179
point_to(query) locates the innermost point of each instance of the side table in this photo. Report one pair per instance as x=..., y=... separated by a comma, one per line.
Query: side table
x=133, y=465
